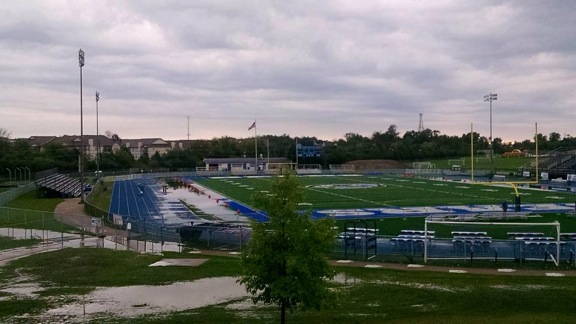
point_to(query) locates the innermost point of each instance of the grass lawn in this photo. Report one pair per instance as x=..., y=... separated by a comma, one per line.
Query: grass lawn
x=7, y=243
x=101, y=195
x=368, y=296
x=103, y=267
x=30, y=201
x=30, y=212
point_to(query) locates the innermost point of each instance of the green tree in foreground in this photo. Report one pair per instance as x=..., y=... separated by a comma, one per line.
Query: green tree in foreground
x=285, y=263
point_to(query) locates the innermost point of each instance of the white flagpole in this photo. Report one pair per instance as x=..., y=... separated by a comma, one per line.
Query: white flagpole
x=256, y=146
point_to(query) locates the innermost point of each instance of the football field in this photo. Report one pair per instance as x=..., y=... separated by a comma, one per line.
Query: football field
x=366, y=196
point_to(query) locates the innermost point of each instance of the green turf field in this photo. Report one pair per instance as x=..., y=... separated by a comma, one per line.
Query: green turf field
x=374, y=191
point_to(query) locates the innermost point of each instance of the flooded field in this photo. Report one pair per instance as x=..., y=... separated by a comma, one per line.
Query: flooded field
x=140, y=300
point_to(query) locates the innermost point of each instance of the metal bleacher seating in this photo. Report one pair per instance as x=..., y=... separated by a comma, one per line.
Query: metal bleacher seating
x=412, y=240
x=61, y=183
x=477, y=241
x=568, y=236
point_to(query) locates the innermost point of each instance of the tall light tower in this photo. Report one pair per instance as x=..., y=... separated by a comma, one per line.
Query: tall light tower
x=491, y=97
x=97, y=138
x=81, y=64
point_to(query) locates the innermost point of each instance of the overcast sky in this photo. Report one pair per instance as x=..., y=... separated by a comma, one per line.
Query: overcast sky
x=302, y=68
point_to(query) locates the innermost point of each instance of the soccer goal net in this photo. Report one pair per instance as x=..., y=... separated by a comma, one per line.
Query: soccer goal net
x=423, y=165
x=342, y=167
x=275, y=168
x=308, y=168
x=461, y=162
x=516, y=241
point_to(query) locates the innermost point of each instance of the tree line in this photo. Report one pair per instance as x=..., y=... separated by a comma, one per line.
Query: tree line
x=411, y=146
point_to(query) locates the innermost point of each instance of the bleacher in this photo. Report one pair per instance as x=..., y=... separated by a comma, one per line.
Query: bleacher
x=67, y=186
x=471, y=241
x=559, y=162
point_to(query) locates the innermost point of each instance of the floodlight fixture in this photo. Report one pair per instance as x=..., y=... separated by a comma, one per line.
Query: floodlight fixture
x=81, y=57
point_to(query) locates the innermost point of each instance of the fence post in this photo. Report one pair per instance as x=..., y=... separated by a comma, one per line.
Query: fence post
x=240, y=238
x=495, y=255
x=128, y=226
x=61, y=232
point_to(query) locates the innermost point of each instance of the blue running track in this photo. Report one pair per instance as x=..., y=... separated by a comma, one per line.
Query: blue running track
x=142, y=203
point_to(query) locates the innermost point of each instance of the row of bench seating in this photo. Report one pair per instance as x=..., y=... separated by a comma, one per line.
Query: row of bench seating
x=61, y=183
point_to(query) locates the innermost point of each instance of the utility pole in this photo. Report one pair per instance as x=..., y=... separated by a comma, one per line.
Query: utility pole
x=97, y=138
x=81, y=64
x=491, y=97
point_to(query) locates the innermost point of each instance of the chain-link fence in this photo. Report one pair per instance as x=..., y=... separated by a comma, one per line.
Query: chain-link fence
x=420, y=249
x=52, y=233
x=14, y=193
x=31, y=219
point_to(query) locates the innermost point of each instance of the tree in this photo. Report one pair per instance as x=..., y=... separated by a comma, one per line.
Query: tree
x=4, y=141
x=124, y=158
x=144, y=160
x=285, y=261
x=554, y=137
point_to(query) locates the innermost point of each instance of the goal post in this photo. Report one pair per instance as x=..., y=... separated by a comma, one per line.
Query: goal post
x=308, y=169
x=276, y=168
x=461, y=162
x=423, y=165
x=448, y=239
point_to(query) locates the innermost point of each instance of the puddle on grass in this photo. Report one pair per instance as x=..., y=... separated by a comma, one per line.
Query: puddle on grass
x=20, y=290
x=140, y=300
x=519, y=287
x=23, y=289
x=342, y=278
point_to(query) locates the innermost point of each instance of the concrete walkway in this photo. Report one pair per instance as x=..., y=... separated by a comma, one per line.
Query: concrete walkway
x=71, y=212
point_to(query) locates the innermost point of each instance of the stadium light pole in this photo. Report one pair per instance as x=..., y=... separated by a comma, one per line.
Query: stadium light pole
x=81, y=64
x=491, y=97
x=97, y=138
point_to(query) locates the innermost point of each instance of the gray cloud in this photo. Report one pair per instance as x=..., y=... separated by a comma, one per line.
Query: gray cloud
x=321, y=68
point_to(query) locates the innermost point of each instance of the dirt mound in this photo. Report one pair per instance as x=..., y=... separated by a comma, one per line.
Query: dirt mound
x=376, y=164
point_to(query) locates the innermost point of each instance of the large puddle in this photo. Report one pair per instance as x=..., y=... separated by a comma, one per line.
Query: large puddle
x=140, y=300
